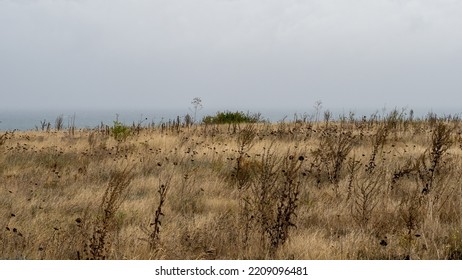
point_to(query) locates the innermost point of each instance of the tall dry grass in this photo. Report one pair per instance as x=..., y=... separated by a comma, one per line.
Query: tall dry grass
x=377, y=188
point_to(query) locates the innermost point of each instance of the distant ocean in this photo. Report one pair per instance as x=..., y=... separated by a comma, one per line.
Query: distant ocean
x=32, y=119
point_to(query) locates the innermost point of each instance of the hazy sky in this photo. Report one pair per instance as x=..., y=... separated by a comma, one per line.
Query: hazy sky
x=236, y=54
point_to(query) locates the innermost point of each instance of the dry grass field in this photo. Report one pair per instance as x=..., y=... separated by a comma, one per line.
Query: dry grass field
x=377, y=188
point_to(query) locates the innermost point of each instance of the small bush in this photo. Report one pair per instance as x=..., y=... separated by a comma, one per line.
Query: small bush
x=228, y=117
x=120, y=132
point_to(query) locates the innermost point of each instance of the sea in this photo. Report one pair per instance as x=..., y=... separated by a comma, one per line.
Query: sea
x=33, y=119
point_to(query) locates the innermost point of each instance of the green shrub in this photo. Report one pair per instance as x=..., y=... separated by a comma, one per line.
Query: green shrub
x=120, y=132
x=228, y=117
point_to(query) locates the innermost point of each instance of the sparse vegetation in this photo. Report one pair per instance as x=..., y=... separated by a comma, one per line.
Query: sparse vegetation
x=234, y=187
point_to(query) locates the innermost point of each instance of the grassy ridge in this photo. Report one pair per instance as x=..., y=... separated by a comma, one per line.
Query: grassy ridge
x=378, y=188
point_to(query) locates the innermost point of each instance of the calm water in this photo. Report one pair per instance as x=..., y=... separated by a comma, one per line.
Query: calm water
x=31, y=120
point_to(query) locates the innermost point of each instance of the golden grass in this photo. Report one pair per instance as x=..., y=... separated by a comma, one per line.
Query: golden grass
x=313, y=207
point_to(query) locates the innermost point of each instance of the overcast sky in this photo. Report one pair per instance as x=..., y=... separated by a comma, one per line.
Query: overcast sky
x=236, y=54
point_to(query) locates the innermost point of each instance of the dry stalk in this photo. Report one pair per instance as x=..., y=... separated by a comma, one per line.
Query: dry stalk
x=378, y=141
x=331, y=154
x=271, y=204
x=114, y=195
x=154, y=236
x=411, y=214
x=244, y=142
x=365, y=197
x=287, y=202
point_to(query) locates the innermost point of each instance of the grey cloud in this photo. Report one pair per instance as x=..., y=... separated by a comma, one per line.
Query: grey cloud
x=260, y=53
